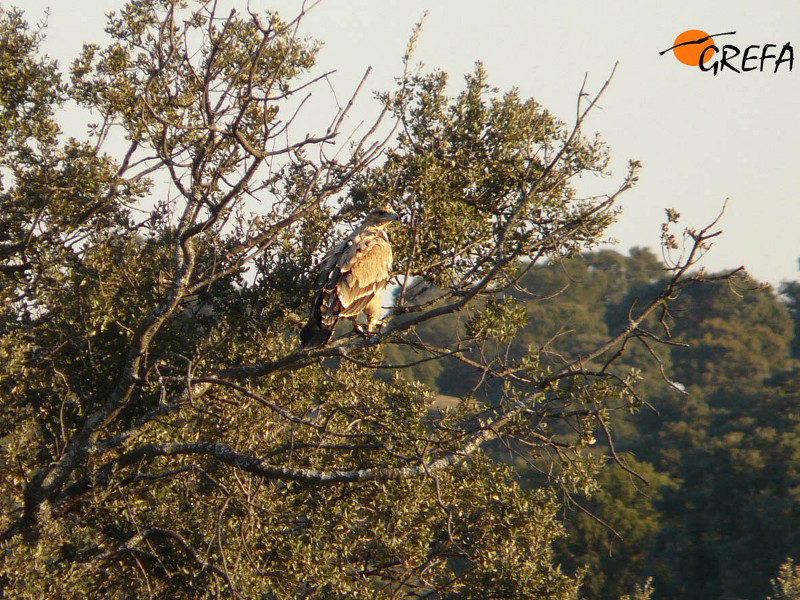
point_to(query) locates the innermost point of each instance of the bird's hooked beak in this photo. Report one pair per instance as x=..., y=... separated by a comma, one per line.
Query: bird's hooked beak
x=384, y=216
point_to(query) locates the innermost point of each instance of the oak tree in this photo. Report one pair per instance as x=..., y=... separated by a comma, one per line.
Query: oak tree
x=162, y=434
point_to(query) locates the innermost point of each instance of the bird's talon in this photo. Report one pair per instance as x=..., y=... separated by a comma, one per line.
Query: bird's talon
x=374, y=325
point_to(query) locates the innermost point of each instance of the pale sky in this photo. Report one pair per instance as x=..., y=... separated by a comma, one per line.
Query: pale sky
x=702, y=139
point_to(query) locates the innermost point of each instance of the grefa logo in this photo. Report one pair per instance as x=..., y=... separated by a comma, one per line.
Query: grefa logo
x=697, y=48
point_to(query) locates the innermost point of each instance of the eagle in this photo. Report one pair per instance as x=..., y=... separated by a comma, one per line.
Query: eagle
x=351, y=280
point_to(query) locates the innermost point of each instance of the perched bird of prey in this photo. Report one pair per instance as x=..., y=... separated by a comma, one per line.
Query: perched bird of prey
x=351, y=280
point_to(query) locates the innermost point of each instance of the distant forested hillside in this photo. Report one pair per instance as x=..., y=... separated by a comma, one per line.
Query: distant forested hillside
x=718, y=439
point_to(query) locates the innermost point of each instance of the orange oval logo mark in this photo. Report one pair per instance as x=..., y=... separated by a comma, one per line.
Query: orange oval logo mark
x=690, y=45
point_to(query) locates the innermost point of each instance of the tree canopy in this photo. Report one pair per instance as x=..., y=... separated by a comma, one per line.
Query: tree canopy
x=163, y=435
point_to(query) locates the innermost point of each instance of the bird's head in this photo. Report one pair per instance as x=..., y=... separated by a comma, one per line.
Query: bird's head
x=381, y=217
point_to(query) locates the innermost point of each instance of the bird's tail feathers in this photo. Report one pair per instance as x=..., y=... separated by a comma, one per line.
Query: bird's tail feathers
x=314, y=335
x=319, y=329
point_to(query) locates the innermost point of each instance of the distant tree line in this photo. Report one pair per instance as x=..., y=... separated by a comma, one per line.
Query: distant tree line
x=718, y=443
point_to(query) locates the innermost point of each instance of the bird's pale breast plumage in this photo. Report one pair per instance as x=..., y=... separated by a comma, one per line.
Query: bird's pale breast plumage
x=351, y=279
